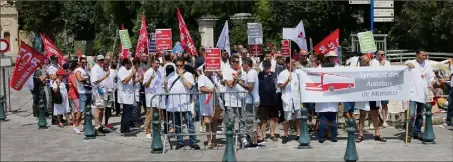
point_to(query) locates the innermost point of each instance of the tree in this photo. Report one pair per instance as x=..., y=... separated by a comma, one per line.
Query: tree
x=40, y=17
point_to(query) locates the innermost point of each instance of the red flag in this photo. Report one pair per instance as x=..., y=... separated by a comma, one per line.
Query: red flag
x=79, y=54
x=27, y=62
x=330, y=43
x=142, y=43
x=124, y=52
x=184, y=35
x=51, y=49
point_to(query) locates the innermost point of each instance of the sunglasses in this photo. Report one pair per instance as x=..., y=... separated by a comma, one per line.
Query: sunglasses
x=83, y=62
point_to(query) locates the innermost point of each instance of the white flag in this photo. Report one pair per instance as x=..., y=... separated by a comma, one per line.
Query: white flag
x=224, y=39
x=297, y=35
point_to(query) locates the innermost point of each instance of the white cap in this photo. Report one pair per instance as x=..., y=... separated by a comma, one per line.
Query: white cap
x=332, y=53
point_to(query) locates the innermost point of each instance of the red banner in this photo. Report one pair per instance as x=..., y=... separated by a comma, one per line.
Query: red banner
x=27, y=62
x=163, y=39
x=124, y=52
x=330, y=43
x=51, y=49
x=256, y=49
x=79, y=54
x=142, y=43
x=212, y=59
x=286, y=48
x=184, y=35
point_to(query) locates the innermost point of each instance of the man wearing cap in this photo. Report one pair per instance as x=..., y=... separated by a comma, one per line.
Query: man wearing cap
x=98, y=75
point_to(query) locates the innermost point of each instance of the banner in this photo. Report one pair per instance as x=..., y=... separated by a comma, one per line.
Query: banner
x=354, y=84
x=142, y=42
x=152, y=48
x=297, y=35
x=224, y=39
x=125, y=39
x=366, y=42
x=178, y=48
x=79, y=54
x=212, y=59
x=184, y=35
x=51, y=49
x=163, y=39
x=256, y=49
x=255, y=33
x=330, y=43
x=286, y=48
x=27, y=62
x=124, y=51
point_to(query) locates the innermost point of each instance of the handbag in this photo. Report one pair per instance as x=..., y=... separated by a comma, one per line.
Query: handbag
x=56, y=96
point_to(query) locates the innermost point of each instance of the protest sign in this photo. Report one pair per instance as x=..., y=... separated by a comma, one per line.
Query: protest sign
x=125, y=39
x=152, y=43
x=286, y=48
x=27, y=61
x=352, y=84
x=366, y=42
x=256, y=49
x=177, y=49
x=255, y=33
x=163, y=39
x=212, y=59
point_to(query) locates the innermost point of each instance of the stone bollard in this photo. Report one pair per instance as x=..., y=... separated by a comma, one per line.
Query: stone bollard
x=229, y=154
x=156, y=144
x=304, y=140
x=351, y=151
x=2, y=108
x=88, y=128
x=428, y=134
x=42, y=122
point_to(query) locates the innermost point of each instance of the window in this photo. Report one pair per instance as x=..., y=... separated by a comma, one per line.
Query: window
x=7, y=36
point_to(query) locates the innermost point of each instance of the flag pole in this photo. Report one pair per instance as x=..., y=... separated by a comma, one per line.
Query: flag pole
x=114, y=42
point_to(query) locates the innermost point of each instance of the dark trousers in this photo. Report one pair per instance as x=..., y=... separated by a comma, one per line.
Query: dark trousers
x=280, y=107
x=326, y=117
x=125, y=118
x=450, y=107
x=117, y=105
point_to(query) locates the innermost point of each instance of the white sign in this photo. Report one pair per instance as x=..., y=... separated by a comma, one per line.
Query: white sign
x=383, y=12
x=382, y=19
x=354, y=84
x=383, y=3
x=359, y=2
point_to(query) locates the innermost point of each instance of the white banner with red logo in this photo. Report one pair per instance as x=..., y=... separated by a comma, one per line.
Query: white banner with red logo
x=27, y=62
x=51, y=49
x=354, y=84
x=142, y=43
x=184, y=35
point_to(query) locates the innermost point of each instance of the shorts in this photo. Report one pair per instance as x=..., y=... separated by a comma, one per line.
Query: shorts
x=84, y=100
x=74, y=104
x=109, y=100
x=348, y=107
x=292, y=115
x=374, y=105
x=99, y=101
x=385, y=102
x=267, y=112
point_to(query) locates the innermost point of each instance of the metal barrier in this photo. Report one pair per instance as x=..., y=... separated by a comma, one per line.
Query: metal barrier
x=177, y=109
x=404, y=55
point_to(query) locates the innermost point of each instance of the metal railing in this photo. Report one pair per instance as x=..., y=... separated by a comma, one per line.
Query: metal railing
x=177, y=109
x=404, y=55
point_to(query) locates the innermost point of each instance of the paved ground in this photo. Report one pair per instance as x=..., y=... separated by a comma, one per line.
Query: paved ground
x=21, y=140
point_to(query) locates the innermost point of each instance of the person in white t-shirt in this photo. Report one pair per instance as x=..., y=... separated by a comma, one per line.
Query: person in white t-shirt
x=289, y=85
x=368, y=106
x=380, y=58
x=181, y=81
x=268, y=56
x=84, y=87
x=152, y=81
x=422, y=82
x=98, y=75
x=110, y=86
x=208, y=85
x=126, y=93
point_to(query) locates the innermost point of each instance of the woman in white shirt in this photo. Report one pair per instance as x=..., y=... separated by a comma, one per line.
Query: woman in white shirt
x=327, y=112
x=126, y=93
x=61, y=108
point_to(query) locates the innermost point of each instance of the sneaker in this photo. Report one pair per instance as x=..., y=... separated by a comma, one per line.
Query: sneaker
x=76, y=130
x=195, y=147
x=385, y=125
x=445, y=125
x=371, y=126
x=284, y=139
x=148, y=135
x=109, y=126
x=179, y=146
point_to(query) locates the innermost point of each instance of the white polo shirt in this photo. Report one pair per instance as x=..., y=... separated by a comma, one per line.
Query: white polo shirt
x=126, y=93
x=179, y=103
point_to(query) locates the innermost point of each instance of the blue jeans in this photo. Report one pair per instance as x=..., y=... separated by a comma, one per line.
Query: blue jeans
x=197, y=108
x=324, y=118
x=84, y=100
x=450, y=107
x=187, y=115
x=348, y=107
x=416, y=108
